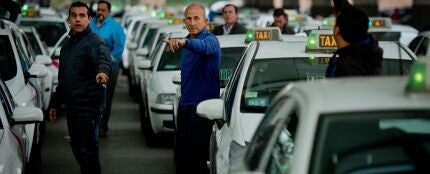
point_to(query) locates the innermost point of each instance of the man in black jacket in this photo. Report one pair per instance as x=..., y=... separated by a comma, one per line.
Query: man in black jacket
x=231, y=26
x=280, y=19
x=85, y=68
x=359, y=53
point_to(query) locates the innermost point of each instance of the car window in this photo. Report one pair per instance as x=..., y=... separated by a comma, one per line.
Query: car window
x=281, y=158
x=386, y=36
x=422, y=49
x=141, y=32
x=266, y=77
x=169, y=60
x=35, y=45
x=50, y=32
x=134, y=30
x=361, y=142
x=149, y=37
x=229, y=59
x=8, y=67
x=25, y=61
x=6, y=100
x=414, y=43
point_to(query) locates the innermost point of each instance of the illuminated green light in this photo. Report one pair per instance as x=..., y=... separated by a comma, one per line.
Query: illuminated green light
x=153, y=14
x=370, y=23
x=417, y=77
x=170, y=21
x=115, y=8
x=25, y=7
x=249, y=36
x=144, y=8
x=313, y=60
x=247, y=12
x=325, y=22
x=312, y=41
x=162, y=15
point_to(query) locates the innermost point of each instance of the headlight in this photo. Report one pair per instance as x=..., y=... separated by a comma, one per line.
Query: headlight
x=166, y=99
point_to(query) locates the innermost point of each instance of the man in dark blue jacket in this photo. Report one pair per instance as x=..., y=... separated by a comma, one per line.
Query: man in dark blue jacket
x=201, y=56
x=85, y=68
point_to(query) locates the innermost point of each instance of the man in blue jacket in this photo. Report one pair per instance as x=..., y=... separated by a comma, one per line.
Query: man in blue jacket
x=201, y=56
x=114, y=37
x=85, y=67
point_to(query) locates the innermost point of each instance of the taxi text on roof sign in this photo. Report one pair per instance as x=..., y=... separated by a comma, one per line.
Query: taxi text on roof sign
x=379, y=22
x=267, y=33
x=321, y=41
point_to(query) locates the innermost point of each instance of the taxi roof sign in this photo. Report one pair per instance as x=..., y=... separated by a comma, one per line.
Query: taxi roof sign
x=321, y=41
x=174, y=21
x=266, y=33
x=380, y=22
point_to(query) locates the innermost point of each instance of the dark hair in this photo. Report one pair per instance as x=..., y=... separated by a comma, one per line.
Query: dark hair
x=280, y=12
x=353, y=23
x=228, y=5
x=106, y=2
x=80, y=4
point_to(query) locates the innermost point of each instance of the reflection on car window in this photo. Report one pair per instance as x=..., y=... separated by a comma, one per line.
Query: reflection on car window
x=229, y=59
x=169, y=60
x=262, y=135
x=390, y=141
x=50, y=32
x=8, y=67
x=266, y=77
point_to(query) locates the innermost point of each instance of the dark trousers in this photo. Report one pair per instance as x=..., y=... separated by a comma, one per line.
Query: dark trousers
x=192, y=141
x=110, y=90
x=83, y=130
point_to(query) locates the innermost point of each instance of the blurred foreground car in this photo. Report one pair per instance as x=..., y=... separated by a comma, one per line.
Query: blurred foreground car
x=345, y=125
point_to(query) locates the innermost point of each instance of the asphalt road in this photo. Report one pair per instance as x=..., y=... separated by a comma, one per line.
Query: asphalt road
x=124, y=150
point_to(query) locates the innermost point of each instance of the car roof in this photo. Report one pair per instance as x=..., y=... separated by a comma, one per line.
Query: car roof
x=357, y=94
x=232, y=40
x=275, y=49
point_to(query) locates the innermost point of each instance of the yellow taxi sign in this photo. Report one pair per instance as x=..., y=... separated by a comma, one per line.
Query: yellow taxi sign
x=330, y=21
x=380, y=22
x=267, y=33
x=297, y=18
x=321, y=41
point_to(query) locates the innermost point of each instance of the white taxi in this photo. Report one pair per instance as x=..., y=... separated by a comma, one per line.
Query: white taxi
x=157, y=89
x=345, y=125
x=20, y=73
x=264, y=69
x=14, y=137
x=420, y=45
x=383, y=30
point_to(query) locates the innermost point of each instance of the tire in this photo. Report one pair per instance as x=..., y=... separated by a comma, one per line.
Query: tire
x=146, y=125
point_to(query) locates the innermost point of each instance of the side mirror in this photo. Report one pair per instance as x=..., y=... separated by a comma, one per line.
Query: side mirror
x=211, y=109
x=26, y=115
x=44, y=60
x=38, y=70
x=132, y=46
x=144, y=64
x=142, y=52
x=176, y=79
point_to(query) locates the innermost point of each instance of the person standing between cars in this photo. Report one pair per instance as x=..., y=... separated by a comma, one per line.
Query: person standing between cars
x=280, y=19
x=200, y=63
x=230, y=26
x=113, y=34
x=84, y=70
x=359, y=53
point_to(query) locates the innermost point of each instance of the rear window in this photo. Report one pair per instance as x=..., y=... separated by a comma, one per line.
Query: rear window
x=50, y=32
x=7, y=59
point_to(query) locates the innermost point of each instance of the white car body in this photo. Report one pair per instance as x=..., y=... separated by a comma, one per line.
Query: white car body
x=23, y=85
x=288, y=141
x=237, y=128
x=156, y=87
x=420, y=44
x=13, y=136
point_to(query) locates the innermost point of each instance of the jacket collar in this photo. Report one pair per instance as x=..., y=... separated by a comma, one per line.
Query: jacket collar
x=79, y=35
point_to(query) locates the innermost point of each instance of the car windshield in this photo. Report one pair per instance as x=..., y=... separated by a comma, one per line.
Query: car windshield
x=50, y=32
x=366, y=142
x=33, y=41
x=386, y=36
x=229, y=59
x=266, y=77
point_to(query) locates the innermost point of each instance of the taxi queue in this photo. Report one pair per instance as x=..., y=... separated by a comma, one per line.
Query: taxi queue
x=257, y=128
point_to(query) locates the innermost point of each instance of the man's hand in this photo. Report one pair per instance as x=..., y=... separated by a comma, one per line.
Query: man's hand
x=53, y=115
x=175, y=44
x=102, y=78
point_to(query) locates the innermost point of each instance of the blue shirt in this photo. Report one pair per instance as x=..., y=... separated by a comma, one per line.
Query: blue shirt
x=113, y=35
x=200, y=65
